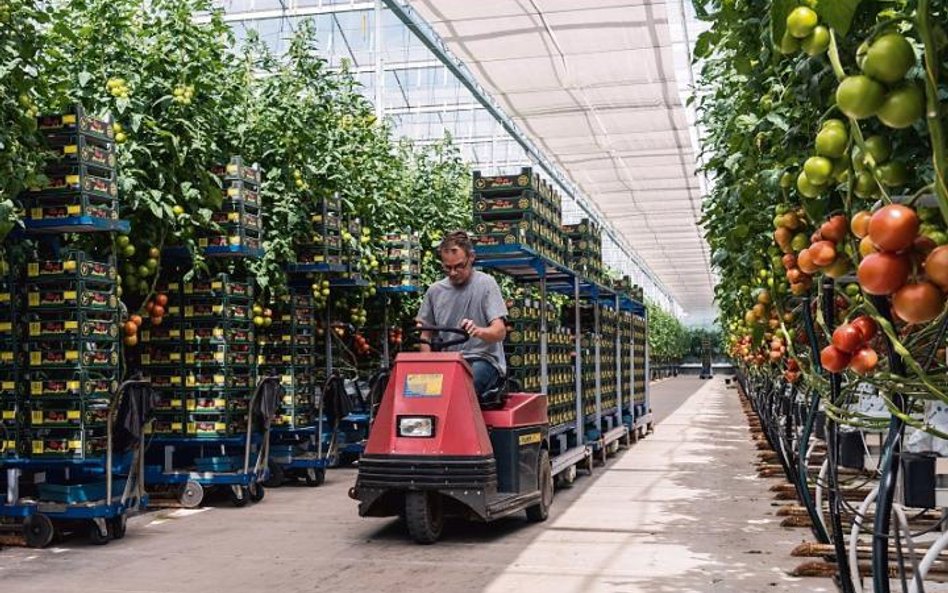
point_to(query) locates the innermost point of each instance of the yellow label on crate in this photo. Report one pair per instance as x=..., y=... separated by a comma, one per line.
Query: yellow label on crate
x=32, y=269
x=70, y=149
x=189, y=311
x=217, y=284
x=34, y=328
x=220, y=426
x=74, y=209
x=219, y=356
x=286, y=379
x=72, y=179
x=176, y=403
x=73, y=385
x=70, y=295
x=36, y=213
x=69, y=119
x=37, y=417
x=36, y=358
x=219, y=379
x=218, y=332
x=6, y=326
x=189, y=334
x=176, y=425
x=530, y=439
x=192, y=427
x=38, y=446
x=6, y=356
x=220, y=402
x=191, y=381
x=36, y=387
x=192, y=405
x=202, y=242
x=72, y=355
x=75, y=445
x=72, y=325
x=423, y=384
x=9, y=414
x=8, y=385
x=148, y=428
x=233, y=191
x=73, y=415
x=8, y=445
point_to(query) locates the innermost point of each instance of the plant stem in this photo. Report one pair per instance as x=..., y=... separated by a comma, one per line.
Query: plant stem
x=932, y=112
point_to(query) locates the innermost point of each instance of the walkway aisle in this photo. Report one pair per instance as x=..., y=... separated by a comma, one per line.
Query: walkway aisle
x=686, y=513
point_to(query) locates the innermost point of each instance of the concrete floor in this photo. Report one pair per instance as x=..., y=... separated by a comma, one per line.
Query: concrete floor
x=682, y=511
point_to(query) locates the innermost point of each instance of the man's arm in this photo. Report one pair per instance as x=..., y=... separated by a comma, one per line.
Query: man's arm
x=495, y=332
x=425, y=335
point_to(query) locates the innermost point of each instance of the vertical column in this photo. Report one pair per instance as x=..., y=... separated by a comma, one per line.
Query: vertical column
x=618, y=350
x=379, y=71
x=577, y=362
x=597, y=335
x=648, y=370
x=544, y=330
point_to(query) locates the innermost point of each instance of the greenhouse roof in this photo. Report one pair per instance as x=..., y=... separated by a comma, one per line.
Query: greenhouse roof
x=600, y=87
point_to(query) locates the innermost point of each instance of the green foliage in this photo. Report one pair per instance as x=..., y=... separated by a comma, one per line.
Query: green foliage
x=668, y=340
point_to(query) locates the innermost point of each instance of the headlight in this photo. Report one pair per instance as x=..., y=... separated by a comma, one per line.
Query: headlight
x=416, y=426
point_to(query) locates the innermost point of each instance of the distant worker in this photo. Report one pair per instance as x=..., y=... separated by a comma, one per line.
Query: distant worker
x=470, y=300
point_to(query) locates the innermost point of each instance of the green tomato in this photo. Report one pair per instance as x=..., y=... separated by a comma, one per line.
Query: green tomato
x=128, y=250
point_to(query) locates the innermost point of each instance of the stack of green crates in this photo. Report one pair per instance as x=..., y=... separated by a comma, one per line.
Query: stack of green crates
x=522, y=346
x=351, y=248
x=608, y=327
x=238, y=220
x=324, y=245
x=625, y=334
x=401, y=261
x=586, y=244
x=562, y=376
x=519, y=209
x=638, y=358
x=81, y=179
x=72, y=346
x=11, y=388
x=218, y=354
x=288, y=349
x=162, y=360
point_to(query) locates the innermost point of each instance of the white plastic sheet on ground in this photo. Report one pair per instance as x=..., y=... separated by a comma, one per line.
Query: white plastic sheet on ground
x=599, y=85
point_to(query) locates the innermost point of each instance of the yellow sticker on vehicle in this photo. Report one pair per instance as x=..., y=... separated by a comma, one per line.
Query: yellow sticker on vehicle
x=423, y=384
x=530, y=439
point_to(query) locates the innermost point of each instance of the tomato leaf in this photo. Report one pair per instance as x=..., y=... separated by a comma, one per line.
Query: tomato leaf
x=778, y=18
x=838, y=13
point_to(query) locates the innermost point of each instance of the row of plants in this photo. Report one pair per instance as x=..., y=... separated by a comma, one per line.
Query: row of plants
x=823, y=134
x=185, y=97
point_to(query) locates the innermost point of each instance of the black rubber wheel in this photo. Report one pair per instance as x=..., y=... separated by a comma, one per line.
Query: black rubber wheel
x=239, y=496
x=95, y=534
x=424, y=516
x=540, y=511
x=118, y=525
x=256, y=492
x=277, y=475
x=38, y=531
x=314, y=476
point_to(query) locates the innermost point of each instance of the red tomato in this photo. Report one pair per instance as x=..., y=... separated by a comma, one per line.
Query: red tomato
x=893, y=227
x=864, y=360
x=918, y=303
x=847, y=338
x=867, y=326
x=883, y=273
x=833, y=359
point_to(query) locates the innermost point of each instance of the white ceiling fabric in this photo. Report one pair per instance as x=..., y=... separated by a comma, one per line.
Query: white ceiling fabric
x=599, y=86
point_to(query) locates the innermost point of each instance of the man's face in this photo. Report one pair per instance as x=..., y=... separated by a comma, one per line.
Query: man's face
x=457, y=266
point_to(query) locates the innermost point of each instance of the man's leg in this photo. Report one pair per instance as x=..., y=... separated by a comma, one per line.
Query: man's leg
x=485, y=376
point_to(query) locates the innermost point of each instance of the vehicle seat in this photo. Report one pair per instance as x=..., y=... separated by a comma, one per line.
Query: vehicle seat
x=495, y=397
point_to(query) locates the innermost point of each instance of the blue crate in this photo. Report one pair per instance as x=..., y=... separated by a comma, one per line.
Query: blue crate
x=218, y=464
x=79, y=493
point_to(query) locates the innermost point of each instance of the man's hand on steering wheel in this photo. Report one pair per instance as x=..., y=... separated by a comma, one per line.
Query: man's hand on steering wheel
x=471, y=329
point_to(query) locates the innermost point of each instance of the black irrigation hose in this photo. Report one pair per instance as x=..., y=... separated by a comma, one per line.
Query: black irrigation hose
x=890, y=472
x=819, y=530
x=832, y=452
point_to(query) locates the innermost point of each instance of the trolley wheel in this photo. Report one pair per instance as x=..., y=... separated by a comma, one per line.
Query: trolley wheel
x=118, y=525
x=277, y=475
x=567, y=476
x=239, y=496
x=613, y=448
x=96, y=536
x=424, y=514
x=38, y=531
x=256, y=491
x=191, y=494
x=540, y=511
x=314, y=476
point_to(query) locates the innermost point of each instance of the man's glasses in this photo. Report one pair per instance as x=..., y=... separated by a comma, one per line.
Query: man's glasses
x=456, y=267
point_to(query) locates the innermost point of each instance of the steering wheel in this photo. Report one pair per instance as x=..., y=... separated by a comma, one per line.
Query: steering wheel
x=436, y=344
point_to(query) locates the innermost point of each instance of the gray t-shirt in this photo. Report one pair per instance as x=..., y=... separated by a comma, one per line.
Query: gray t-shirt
x=479, y=300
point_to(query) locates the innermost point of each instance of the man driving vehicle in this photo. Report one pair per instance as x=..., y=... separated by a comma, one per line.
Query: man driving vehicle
x=470, y=300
